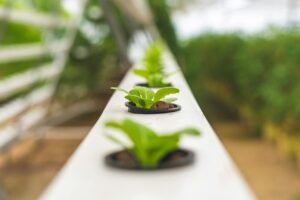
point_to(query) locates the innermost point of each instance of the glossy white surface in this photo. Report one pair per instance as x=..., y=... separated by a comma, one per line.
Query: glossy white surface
x=212, y=177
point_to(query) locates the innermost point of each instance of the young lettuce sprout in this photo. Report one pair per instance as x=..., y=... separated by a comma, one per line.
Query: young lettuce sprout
x=144, y=97
x=148, y=147
x=153, y=70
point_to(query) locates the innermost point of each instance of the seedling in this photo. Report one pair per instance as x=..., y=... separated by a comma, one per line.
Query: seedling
x=144, y=97
x=153, y=70
x=148, y=147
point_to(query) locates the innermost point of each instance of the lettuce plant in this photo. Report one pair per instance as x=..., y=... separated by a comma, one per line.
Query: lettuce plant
x=148, y=147
x=153, y=70
x=144, y=97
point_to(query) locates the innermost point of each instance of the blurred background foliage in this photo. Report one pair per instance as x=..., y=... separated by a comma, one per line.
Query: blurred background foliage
x=12, y=33
x=53, y=6
x=95, y=56
x=250, y=77
x=30, y=34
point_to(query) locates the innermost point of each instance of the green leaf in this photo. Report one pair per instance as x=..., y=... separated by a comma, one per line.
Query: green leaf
x=162, y=140
x=140, y=137
x=141, y=72
x=119, y=89
x=144, y=92
x=144, y=97
x=137, y=133
x=113, y=124
x=141, y=96
x=134, y=92
x=153, y=70
x=149, y=147
x=186, y=131
x=153, y=58
x=156, y=80
x=136, y=100
x=146, y=103
x=161, y=93
x=158, y=153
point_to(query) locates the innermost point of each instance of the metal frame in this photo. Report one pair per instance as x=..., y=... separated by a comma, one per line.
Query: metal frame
x=19, y=115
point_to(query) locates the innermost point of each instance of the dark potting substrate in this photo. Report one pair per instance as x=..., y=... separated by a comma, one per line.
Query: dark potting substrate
x=159, y=107
x=147, y=85
x=125, y=160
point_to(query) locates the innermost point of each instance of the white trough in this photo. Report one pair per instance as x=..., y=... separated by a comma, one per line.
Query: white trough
x=213, y=176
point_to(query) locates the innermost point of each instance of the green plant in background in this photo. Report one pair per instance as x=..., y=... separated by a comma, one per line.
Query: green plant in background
x=148, y=147
x=153, y=70
x=209, y=68
x=255, y=76
x=14, y=33
x=95, y=58
x=9, y=31
x=29, y=34
x=144, y=97
x=35, y=5
x=9, y=69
